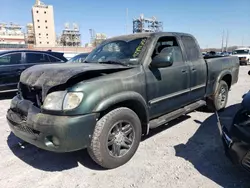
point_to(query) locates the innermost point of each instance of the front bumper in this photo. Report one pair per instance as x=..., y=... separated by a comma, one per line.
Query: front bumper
x=50, y=132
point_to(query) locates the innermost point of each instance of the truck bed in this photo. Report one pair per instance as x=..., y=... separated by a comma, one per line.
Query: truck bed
x=229, y=64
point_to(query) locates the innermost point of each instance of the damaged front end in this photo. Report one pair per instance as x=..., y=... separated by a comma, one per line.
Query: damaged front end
x=41, y=92
x=50, y=132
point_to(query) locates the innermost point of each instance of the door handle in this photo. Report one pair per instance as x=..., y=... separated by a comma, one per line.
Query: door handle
x=183, y=71
x=193, y=69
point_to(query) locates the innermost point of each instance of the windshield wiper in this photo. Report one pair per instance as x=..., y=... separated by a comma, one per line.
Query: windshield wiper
x=114, y=62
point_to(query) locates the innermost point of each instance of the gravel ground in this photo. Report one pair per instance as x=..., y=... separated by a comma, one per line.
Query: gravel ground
x=186, y=153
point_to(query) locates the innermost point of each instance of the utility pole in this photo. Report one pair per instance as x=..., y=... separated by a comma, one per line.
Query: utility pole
x=227, y=41
x=222, y=42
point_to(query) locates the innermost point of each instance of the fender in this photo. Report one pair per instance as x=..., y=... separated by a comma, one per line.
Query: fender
x=122, y=97
x=219, y=78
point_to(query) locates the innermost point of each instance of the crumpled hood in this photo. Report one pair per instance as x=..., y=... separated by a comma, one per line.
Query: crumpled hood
x=47, y=76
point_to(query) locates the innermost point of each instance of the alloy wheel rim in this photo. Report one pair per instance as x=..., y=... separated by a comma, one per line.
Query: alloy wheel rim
x=120, y=138
x=222, y=96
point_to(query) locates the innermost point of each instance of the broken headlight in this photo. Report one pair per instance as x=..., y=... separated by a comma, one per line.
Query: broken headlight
x=72, y=100
x=62, y=100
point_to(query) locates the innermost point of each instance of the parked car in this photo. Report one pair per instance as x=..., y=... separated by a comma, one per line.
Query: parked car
x=78, y=58
x=127, y=86
x=212, y=54
x=12, y=63
x=243, y=54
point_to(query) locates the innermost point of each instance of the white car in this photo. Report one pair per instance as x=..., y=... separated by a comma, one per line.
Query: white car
x=243, y=54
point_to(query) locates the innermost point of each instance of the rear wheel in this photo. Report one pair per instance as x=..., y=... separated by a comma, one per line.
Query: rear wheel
x=219, y=100
x=116, y=138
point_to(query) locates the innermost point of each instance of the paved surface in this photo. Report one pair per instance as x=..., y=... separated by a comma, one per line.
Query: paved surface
x=186, y=153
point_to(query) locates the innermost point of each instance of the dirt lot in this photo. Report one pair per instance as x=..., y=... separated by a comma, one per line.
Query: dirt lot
x=186, y=153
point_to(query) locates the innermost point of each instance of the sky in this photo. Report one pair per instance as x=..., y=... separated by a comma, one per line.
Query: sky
x=205, y=19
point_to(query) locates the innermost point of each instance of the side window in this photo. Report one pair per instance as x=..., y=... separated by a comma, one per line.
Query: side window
x=191, y=48
x=36, y=58
x=169, y=45
x=53, y=59
x=11, y=59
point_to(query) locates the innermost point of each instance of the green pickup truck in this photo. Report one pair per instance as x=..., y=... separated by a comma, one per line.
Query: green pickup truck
x=126, y=86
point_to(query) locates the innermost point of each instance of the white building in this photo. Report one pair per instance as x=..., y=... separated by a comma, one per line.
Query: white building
x=43, y=23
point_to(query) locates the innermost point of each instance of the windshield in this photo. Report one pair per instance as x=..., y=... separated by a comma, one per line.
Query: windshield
x=78, y=58
x=241, y=52
x=126, y=52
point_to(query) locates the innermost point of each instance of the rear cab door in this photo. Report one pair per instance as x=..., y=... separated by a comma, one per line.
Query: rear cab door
x=197, y=65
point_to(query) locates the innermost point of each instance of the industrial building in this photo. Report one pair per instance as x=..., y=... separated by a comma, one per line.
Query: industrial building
x=96, y=38
x=43, y=23
x=30, y=35
x=70, y=36
x=142, y=24
x=11, y=35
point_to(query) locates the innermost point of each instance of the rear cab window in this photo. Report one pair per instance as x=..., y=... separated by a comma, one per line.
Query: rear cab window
x=192, y=50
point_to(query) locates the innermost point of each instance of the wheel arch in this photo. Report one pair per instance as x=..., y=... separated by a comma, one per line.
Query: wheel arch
x=225, y=76
x=129, y=99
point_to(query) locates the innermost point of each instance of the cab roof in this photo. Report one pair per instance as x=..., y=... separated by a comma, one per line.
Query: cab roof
x=149, y=34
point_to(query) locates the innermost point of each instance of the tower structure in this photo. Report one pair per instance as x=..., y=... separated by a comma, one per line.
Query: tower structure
x=142, y=24
x=43, y=23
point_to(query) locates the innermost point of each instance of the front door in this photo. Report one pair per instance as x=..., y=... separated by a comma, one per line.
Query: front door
x=168, y=88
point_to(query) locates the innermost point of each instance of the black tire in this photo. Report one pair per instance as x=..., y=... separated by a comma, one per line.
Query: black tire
x=99, y=149
x=217, y=102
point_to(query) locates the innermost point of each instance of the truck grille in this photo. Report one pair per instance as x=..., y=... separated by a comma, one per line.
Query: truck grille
x=24, y=128
x=32, y=94
x=27, y=129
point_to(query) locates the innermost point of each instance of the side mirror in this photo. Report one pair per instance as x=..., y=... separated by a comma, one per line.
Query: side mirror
x=161, y=61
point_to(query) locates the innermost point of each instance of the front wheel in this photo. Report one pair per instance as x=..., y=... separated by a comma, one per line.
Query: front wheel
x=116, y=138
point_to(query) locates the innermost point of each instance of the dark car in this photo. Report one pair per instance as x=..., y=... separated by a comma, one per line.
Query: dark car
x=127, y=86
x=12, y=63
x=78, y=58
